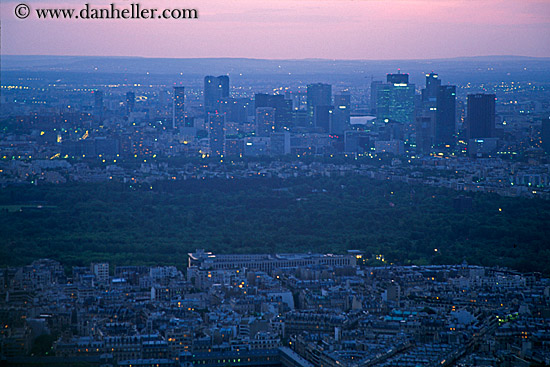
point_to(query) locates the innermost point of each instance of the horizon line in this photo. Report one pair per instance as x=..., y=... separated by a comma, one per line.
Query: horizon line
x=281, y=59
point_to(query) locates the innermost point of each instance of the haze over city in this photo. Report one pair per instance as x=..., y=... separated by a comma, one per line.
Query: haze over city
x=276, y=183
x=285, y=29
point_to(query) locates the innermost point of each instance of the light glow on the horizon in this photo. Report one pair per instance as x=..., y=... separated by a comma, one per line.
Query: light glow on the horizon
x=342, y=29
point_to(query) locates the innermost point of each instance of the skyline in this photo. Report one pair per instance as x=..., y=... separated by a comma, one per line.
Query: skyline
x=506, y=57
x=287, y=29
x=278, y=183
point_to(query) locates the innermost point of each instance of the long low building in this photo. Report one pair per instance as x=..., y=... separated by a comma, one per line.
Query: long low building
x=266, y=262
x=276, y=357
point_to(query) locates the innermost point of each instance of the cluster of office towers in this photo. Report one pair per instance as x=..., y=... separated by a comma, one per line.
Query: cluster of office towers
x=273, y=113
x=425, y=121
x=430, y=120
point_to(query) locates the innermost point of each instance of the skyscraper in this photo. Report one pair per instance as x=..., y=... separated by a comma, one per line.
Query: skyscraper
x=397, y=78
x=374, y=85
x=425, y=126
x=178, y=110
x=216, y=123
x=429, y=94
x=341, y=114
x=318, y=94
x=98, y=104
x=437, y=119
x=446, y=115
x=395, y=99
x=265, y=121
x=215, y=89
x=282, y=107
x=481, y=115
x=130, y=102
x=545, y=134
x=322, y=117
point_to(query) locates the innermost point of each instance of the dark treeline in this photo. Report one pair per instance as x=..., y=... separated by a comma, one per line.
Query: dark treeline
x=114, y=222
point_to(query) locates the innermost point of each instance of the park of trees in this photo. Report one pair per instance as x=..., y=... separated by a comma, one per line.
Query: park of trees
x=79, y=223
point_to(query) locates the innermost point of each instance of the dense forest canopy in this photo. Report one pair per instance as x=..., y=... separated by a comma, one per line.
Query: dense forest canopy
x=81, y=223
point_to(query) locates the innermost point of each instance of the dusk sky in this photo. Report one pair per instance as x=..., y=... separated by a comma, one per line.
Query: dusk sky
x=286, y=29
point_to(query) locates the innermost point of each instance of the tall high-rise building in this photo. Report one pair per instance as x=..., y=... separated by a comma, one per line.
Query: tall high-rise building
x=481, y=115
x=282, y=107
x=395, y=99
x=215, y=89
x=322, y=118
x=265, y=121
x=445, y=121
x=425, y=126
x=341, y=114
x=224, y=85
x=216, y=123
x=318, y=94
x=374, y=85
x=397, y=78
x=229, y=106
x=178, y=110
x=130, y=102
x=98, y=103
x=429, y=94
x=437, y=119
x=545, y=134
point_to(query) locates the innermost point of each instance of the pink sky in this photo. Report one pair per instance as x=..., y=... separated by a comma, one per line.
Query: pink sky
x=339, y=29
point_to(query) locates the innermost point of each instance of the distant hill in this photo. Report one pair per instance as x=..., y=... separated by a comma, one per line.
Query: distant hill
x=455, y=69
